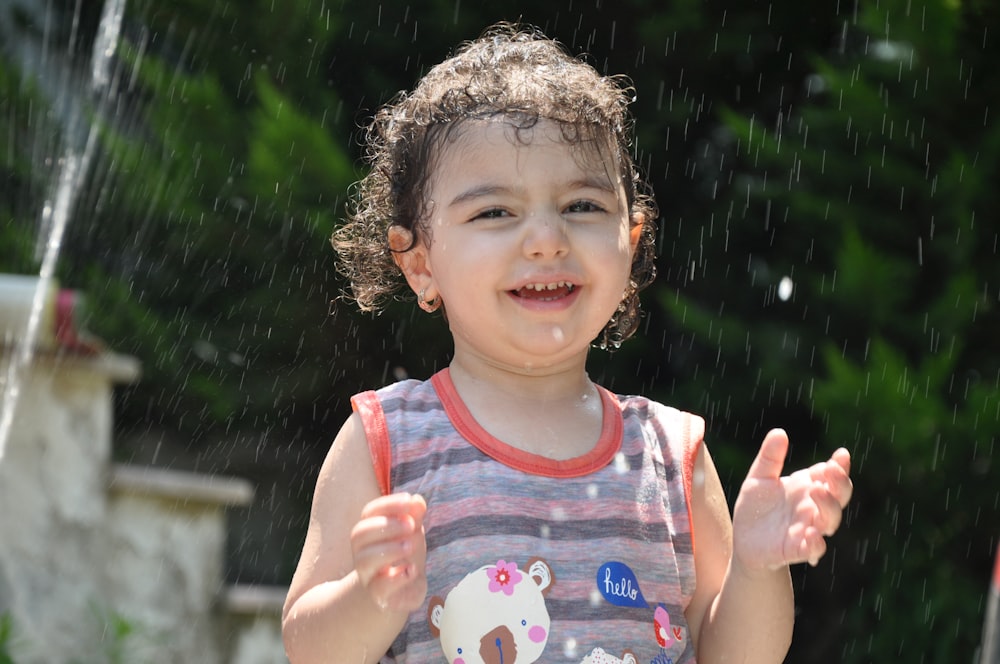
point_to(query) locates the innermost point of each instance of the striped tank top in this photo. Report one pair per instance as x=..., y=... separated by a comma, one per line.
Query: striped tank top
x=531, y=559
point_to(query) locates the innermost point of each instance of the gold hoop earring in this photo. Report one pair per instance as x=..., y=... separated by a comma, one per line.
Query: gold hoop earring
x=430, y=306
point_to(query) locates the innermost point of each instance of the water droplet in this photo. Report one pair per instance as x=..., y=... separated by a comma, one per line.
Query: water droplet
x=785, y=288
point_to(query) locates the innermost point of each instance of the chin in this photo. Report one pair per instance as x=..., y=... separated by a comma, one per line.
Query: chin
x=540, y=355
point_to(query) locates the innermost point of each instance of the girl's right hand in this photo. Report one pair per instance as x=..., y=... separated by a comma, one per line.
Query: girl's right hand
x=390, y=551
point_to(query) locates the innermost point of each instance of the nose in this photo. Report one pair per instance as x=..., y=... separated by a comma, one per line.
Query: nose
x=498, y=647
x=545, y=235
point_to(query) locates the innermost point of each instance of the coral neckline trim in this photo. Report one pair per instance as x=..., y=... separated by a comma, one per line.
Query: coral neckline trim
x=608, y=443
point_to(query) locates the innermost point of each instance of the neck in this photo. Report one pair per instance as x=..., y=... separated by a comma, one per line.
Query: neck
x=533, y=385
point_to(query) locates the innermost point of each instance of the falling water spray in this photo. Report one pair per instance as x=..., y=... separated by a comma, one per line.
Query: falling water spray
x=80, y=143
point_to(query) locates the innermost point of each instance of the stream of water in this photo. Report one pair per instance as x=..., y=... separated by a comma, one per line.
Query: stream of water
x=80, y=136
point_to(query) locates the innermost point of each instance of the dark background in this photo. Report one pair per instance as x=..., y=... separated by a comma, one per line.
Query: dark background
x=848, y=150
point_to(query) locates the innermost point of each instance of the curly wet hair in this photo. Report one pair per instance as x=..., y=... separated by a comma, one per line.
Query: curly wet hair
x=512, y=72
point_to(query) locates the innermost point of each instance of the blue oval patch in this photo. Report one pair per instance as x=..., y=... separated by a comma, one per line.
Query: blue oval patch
x=618, y=584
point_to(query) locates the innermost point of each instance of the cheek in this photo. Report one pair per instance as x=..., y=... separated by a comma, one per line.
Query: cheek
x=537, y=633
x=614, y=253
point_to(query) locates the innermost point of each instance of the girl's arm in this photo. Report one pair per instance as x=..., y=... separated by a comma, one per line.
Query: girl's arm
x=743, y=606
x=362, y=565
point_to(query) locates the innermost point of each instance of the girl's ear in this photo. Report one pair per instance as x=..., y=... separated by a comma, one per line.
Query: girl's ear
x=410, y=255
x=638, y=221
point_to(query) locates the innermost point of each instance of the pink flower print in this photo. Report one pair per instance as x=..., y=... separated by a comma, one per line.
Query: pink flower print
x=504, y=577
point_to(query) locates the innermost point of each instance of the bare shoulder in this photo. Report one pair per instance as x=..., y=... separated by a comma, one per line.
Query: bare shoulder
x=347, y=471
x=346, y=483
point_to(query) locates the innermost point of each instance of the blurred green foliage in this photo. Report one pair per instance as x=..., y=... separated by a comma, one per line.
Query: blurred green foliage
x=111, y=636
x=6, y=628
x=872, y=196
x=16, y=100
x=828, y=252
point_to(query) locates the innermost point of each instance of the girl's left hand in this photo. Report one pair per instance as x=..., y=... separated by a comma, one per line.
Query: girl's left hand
x=780, y=521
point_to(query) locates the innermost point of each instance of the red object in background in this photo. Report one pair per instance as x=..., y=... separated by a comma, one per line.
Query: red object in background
x=39, y=313
x=68, y=336
x=990, y=648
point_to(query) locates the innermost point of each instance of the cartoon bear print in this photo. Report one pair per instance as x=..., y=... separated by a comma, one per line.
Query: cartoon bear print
x=495, y=615
x=598, y=656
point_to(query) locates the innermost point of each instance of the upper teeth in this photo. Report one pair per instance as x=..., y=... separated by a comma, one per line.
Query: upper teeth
x=552, y=286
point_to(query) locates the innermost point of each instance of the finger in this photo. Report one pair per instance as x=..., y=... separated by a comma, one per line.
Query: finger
x=418, y=506
x=373, y=558
x=843, y=459
x=395, y=504
x=381, y=543
x=375, y=529
x=391, y=589
x=418, y=510
x=842, y=488
x=829, y=513
x=816, y=547
x=771, y=456
x=834, y=476
x=805, y=545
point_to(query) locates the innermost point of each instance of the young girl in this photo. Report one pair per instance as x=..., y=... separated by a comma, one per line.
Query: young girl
x=508, y=509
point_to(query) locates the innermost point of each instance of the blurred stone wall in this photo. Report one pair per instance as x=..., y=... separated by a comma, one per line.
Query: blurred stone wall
x=103, y=562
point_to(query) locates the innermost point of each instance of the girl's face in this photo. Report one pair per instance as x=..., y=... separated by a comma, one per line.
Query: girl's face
x=528, y=244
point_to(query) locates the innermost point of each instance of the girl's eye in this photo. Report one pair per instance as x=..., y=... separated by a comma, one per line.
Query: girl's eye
x=492, y=213
x=583, y=206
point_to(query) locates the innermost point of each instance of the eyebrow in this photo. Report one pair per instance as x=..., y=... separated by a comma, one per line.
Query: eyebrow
x=481, y=191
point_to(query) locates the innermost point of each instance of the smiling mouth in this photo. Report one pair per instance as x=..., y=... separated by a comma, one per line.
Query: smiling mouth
x=544, y=292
